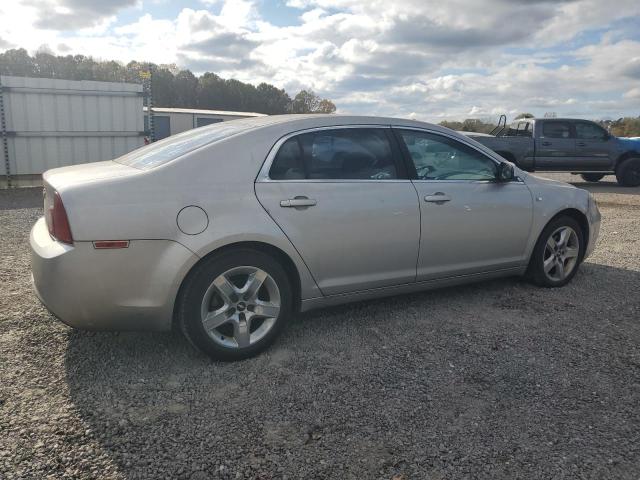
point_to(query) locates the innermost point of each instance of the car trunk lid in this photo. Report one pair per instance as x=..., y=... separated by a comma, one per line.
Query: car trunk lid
x=73, y=175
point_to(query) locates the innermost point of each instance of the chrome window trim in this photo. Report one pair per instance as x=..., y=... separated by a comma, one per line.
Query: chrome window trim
x=431, y=180
x=263, y=175
x=491, y=156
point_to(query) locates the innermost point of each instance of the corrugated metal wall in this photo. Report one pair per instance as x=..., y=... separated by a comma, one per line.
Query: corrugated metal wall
x=52, y=123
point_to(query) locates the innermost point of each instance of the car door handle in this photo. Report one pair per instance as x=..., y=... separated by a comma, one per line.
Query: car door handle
x=581, y=144
x=298, y=202
x=546, y=144
x=437, y=197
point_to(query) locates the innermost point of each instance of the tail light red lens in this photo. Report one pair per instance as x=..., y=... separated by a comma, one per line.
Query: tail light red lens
x=57, y=220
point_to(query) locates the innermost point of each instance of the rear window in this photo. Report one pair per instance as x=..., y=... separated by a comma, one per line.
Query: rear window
x=168, y=149
x=520, y=129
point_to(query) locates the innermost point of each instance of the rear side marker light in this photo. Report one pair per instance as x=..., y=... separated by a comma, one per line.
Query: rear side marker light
x=106, y=244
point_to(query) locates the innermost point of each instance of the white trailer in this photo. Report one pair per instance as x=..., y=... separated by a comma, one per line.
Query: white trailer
x=47, y=123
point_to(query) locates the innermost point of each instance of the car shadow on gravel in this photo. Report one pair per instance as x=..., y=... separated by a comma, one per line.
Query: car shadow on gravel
x=499, y=377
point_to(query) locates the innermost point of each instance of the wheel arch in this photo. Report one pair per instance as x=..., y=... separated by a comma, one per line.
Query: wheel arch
x=263, y=247
x=624, y=156
x=579, y=217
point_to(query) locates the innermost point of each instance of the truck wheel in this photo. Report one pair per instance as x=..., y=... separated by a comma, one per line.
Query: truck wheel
x=628, y=172
x=592, y=177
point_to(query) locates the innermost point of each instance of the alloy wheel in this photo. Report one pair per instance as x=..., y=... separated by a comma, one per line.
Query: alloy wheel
x=240, y=307
x=561, y=253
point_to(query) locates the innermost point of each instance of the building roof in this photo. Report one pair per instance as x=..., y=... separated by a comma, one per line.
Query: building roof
x=205, y=112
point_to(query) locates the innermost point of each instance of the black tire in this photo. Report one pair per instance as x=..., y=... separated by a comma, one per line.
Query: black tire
x=592, y=177
x=193, y=292
x=535, y=271
x=628, y=172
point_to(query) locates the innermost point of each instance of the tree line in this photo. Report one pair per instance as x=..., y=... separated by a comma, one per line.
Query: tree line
x=171, y=86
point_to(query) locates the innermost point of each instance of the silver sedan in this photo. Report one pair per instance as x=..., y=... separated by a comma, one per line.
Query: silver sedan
x=226, y=231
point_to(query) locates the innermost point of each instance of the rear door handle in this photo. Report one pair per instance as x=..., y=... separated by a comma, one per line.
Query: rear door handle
x=298, y=202
x=437, y=197
x=546, y=144
x=582, y=144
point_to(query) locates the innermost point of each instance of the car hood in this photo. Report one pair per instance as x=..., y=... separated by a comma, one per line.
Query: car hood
x=535, y=179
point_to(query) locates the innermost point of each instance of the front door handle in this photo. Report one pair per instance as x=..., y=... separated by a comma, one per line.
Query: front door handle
x=298, y=202
x=438, y=197
x=546, y=144
x=582, y=144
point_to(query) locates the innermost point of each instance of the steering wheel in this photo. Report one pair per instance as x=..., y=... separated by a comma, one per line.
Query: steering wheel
x=421, y=170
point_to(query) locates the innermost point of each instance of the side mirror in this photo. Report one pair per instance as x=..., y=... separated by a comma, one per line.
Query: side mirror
x=505, y=172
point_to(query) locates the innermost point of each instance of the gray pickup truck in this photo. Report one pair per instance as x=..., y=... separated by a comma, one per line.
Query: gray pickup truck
x=566, y=145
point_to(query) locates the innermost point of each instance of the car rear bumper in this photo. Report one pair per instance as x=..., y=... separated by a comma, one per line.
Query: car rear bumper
x=120, y=289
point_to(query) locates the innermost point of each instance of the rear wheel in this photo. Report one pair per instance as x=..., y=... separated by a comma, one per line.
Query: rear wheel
x=592, y=177
x=557, y=254
x=235, y=304
x=628, y=172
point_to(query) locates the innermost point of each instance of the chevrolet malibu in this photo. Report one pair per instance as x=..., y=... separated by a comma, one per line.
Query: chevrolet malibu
x=227, y=230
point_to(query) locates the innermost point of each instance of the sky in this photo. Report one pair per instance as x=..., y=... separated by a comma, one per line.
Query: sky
x=430, y=60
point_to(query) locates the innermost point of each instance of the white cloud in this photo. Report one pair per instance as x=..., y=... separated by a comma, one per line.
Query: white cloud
x=427, y=59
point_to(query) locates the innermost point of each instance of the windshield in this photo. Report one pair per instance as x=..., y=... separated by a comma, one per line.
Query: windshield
x=168, y=149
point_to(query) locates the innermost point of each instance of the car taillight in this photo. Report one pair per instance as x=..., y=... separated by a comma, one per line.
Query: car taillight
x=57, y=221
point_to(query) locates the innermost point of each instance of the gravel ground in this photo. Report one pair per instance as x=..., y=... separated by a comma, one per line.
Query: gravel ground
x=494, y=380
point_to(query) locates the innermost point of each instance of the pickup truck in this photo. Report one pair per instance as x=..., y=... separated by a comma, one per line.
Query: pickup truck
x=566, y=145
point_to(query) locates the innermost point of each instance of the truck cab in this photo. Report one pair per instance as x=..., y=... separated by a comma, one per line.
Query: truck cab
x=581, y=145
x=567, y=145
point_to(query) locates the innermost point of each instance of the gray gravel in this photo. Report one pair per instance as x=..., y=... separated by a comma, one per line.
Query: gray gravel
x=494, y=380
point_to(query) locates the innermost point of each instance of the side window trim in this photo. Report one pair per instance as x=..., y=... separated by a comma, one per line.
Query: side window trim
x=411, y=169
x=402, y=174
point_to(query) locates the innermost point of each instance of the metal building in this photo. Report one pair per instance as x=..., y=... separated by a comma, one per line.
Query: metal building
x=169, y=121
x=47, y=123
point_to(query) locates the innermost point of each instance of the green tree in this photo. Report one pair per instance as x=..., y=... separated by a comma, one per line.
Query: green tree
x=172, y=87
x=306, y=101
x=469, y=125
x=272, y=100
x=623, y=127
x=326, y=106
x=524, y=115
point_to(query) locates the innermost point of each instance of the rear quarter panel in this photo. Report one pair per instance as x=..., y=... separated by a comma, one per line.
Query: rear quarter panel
x=219, y=178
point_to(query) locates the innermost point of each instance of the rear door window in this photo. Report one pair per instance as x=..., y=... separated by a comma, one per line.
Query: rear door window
x=557, y=130
x=520, y=129
x=343, y=153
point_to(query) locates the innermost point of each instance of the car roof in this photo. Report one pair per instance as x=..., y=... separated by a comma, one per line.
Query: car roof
x=303, y=121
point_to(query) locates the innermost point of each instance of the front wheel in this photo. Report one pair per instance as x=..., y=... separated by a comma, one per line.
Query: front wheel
x=592, y=177
x=235, y=304
x=557, y=254
x=628, y=172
